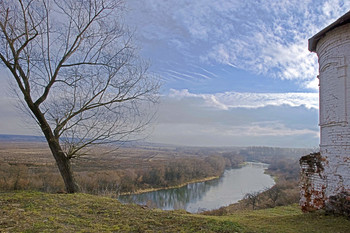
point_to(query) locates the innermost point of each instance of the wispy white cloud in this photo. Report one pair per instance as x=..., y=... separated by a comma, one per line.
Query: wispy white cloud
x=258, y=134
x=206, y=72
x=259, y=129
x=264, y=53
x=266, y=37
x=229, y=100
x=187, y=75
x=275, y=129
x=226, y=119
x=277, y=45
x=201, y=75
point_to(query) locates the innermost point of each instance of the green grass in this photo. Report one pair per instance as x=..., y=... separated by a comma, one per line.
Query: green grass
x=288, y=219
x=42, y=212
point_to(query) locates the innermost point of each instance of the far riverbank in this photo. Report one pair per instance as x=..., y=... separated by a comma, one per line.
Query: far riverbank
x=170, y=187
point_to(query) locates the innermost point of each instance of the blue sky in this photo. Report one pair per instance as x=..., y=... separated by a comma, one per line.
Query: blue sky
x=234, y=72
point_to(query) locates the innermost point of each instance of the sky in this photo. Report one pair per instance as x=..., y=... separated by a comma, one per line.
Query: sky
x=233, y=72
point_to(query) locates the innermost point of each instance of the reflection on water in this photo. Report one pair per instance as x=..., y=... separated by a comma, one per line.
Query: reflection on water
x=169, y=199
x=208, y=195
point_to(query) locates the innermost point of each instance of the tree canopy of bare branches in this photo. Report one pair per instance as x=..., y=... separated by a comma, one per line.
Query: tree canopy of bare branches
x=77, y=73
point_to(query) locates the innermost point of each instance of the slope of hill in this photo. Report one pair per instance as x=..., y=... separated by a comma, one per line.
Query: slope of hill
x=42, y=212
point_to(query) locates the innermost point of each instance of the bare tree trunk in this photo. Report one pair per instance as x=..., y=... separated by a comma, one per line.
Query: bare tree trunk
x=64, y=166
x=62, y=161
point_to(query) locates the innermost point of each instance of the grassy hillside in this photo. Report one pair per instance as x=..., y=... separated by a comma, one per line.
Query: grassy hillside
x=41, y=212
x=288, y=219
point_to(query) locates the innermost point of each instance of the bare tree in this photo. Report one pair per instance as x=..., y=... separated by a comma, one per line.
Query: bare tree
x=252, y=199
x=77, y=73
x=274, y=194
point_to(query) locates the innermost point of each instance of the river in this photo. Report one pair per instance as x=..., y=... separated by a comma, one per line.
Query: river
x=229, y=188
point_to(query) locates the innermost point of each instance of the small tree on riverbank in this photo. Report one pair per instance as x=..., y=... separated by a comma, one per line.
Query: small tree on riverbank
x=252, y=199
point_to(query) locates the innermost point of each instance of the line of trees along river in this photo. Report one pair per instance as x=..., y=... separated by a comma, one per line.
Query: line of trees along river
x=179, y=171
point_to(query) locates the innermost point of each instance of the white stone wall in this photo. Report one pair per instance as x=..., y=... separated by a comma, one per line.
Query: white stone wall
x=334, y=60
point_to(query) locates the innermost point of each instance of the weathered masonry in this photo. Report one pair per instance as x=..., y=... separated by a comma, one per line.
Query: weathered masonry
x=325, y=176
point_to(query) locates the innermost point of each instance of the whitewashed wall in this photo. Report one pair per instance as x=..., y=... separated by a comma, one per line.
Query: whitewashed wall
x=333, y=51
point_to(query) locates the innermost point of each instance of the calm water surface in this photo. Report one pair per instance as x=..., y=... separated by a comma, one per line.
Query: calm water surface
x=208, y=195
